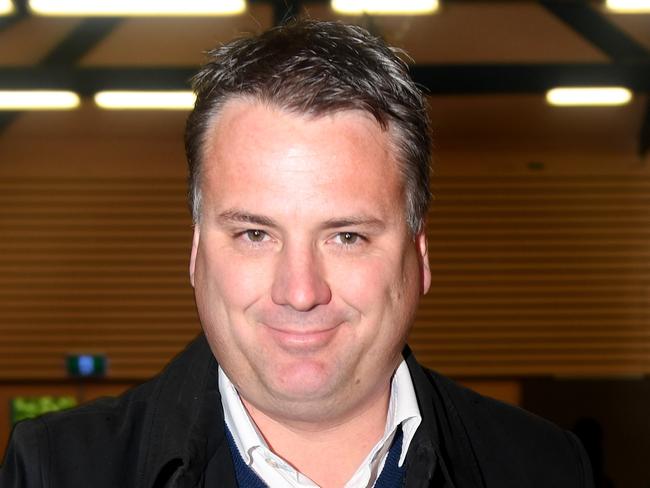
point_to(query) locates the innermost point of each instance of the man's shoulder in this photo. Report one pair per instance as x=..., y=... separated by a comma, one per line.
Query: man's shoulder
x=102, y=417
x=510, y=443
x=79, y=445
x=88, y=440
x=481, y=412
x=109, y=439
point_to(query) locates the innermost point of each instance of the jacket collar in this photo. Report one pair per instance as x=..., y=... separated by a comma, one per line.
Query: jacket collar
x=184, y=421
x=440, y=454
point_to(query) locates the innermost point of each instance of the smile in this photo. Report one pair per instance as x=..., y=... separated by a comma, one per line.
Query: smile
x=301, y=339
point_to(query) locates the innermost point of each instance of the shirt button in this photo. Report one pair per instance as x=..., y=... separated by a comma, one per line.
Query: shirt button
x=271, y=463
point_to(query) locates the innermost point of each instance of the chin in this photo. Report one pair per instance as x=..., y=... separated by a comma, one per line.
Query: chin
x=304, y=379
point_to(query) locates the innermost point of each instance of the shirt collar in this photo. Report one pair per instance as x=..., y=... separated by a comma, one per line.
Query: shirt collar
x=245, y=433
x=402, y=410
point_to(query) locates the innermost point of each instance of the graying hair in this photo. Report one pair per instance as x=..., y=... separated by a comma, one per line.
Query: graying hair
x=316, y=68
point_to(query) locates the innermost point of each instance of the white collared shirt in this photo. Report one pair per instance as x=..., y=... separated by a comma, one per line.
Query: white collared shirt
x=274, y=471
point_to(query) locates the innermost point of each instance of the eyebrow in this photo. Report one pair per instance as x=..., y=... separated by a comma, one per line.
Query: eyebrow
x=361, y=221
x=239, y=216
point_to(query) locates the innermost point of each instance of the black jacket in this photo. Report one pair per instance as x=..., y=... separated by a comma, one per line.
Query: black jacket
x=169, y=432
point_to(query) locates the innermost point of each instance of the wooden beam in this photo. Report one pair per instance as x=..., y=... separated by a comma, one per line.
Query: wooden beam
x=597, y=29
x=81, y=40
x=436, y=78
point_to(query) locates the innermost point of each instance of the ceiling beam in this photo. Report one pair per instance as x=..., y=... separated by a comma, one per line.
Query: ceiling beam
x=597, y=29
x=619, y=46
x=79, y=41
x=21, y=7
x=7, y=118
x=87, y=81
x=435, y=78
x=6, y=22
x=283, y=10
x=20, y=11
x=528, y=78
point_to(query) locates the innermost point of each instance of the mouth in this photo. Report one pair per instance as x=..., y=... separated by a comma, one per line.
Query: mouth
x=300, y=338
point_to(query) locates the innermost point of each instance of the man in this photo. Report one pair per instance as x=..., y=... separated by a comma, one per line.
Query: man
x=308, y=151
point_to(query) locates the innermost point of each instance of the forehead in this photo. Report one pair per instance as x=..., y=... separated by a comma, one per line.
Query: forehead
x=256, y=147
x=254, y=114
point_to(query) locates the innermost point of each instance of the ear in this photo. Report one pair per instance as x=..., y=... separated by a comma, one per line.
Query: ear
x=195, y=248
x=423, y=253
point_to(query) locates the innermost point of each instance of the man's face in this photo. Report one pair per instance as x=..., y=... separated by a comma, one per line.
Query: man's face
x=306, y=274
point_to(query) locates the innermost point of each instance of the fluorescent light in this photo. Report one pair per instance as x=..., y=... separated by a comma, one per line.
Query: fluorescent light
x=38, y=100
x=145, y=100
x=137, y=7
x=628, y=6
x=385, y=7
x=606, y=95
x=6, y=7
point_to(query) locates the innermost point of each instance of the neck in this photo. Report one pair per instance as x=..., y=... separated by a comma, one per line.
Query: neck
x=330, y=453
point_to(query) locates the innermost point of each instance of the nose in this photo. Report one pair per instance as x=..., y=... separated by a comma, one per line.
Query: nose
x=299, y=281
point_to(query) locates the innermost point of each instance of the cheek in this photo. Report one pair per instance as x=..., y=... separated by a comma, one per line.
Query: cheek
x=383, y=289
x=364, y=284
x=228, y=282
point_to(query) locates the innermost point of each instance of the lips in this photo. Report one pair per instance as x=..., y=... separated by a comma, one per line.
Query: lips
x=301, y=339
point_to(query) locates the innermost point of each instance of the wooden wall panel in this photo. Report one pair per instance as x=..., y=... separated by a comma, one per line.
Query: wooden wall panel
x=538, y=275
x=533, y=274
x=93, y=265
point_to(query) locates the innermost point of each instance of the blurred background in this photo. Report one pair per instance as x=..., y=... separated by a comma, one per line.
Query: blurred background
x=539, y=233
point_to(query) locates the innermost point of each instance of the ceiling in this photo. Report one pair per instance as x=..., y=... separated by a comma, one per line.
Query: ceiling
x=486, y=65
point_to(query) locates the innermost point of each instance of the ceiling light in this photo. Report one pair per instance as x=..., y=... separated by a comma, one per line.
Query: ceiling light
x=385, y=7
x=38, y=100
x=6, y=7
x=574, y=96
x=145, y=100
x=628, y=6
x=137, y=7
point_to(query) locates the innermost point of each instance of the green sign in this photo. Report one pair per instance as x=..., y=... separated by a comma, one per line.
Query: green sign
x=33, y=406
x=86, y=365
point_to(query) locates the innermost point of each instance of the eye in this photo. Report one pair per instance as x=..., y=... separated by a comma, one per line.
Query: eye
x=255, y=235
x=348, y=238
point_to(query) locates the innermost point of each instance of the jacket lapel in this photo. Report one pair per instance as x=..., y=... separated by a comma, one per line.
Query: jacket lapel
x=184, y=424
x=440, y=455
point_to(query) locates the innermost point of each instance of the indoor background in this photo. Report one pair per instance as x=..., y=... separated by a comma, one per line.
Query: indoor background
x=539, y=232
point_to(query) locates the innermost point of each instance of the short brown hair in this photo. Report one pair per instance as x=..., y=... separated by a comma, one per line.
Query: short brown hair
x=315, y=68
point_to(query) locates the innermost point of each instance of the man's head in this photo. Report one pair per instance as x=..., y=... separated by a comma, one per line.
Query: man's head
x=309, y=255
x=315, y=68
